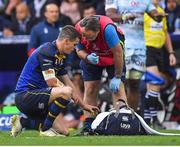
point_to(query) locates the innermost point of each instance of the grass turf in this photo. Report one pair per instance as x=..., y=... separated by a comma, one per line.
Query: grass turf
x=32, y=138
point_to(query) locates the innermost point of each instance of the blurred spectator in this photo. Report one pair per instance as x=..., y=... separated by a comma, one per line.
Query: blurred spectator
x=10, y=8
x=162, y=4
x=48, y=29
x=173, y=18
x=98, y=4
x=3, y=5
x=71, y=8
x=100, y=7
x=21, y=23
x=37, y=8
x=87, y=10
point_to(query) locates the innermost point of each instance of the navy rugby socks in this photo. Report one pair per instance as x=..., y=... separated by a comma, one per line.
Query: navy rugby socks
x=56, y=107
x=151, y=103
x=31, y=123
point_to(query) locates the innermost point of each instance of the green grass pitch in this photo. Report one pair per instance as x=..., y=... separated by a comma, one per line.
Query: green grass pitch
x=28, y=138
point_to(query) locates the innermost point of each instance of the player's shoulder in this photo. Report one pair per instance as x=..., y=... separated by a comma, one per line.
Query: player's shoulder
x=47, y=49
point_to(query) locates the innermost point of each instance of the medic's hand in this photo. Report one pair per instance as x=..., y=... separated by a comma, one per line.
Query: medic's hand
x=93, y=58
x=115, y=84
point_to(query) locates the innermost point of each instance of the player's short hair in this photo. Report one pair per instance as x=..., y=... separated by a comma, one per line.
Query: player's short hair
x=69, y=32
x=91, y=23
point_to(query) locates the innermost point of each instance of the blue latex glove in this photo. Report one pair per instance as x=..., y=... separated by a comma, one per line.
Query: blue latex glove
x=115, y=84
x=93, y=58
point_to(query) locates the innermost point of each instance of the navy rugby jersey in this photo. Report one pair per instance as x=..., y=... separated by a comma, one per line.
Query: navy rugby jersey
x=43, y=58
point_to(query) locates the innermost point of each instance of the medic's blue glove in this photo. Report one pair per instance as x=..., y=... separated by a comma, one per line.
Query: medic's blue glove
x=93, y=58
x=115, y=84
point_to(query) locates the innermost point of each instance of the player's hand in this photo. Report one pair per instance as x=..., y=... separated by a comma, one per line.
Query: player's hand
x=128, y=16
x=91, y=109
x=115, y=84
x=93, y=58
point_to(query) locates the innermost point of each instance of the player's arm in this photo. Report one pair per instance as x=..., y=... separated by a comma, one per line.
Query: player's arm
x=47, y=67
x=116, y=17
x=76, y=96
x=51, y=79
x=112, y=13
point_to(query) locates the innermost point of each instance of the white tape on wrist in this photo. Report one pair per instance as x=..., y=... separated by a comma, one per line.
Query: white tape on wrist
x=49, y=74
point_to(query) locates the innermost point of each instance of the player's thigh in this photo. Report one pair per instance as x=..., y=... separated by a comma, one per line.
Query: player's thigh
x=33, y=103
x=63, y=92
x=90, y=72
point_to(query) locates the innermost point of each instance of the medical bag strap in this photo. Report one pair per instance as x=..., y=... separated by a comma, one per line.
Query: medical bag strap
x=126, y=106
x=123, y=101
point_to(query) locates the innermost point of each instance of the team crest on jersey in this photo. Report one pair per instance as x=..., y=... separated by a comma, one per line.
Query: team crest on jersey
x=59, y=59
x=41, y=105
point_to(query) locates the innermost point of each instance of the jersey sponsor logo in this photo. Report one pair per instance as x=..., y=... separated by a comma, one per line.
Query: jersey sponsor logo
x=155, y=26
x=41, y=105
x=136, y=62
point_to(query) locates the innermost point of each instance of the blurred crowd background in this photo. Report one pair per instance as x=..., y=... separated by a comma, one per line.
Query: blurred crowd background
x=26, y=24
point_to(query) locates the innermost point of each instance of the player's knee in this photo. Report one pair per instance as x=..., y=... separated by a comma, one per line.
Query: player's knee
x=67, y=92
x=63, y=92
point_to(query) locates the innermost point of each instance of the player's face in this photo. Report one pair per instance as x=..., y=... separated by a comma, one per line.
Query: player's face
x=70, y=45
x=89, y=34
